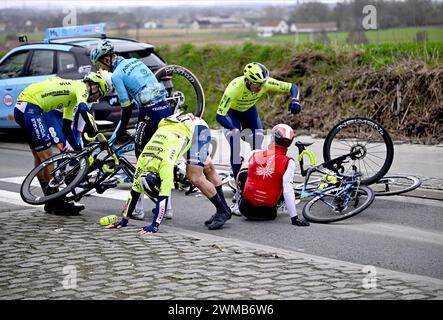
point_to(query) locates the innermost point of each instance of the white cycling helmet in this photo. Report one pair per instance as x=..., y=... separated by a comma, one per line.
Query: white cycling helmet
x=283, y=134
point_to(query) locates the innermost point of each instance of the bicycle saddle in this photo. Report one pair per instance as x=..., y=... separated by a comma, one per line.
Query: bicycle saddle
x=305, y=144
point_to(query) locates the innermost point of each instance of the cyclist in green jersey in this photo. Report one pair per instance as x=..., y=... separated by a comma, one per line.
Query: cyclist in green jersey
x=45, y=96
x=154, y=174
x=237, y=110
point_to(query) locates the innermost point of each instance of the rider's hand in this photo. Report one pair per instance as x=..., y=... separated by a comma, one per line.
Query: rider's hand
x=67, y=148
x=120, y=224
x=153, y=228
x=294, y=106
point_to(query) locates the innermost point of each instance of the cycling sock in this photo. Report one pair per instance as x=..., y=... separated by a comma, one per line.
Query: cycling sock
x=139, y=204
x=221, y=194
x=217, y=202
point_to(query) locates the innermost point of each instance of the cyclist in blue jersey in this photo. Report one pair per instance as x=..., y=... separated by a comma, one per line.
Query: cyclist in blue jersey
x=135, y=85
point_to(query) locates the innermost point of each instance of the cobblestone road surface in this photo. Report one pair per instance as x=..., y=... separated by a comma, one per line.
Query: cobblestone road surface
x=55, y=257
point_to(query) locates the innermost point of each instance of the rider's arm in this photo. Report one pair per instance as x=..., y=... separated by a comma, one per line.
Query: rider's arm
x=123, y=123
x=69, y=134
x=288, y=188
x=68, y=115
x=88, y=118
x=120, y=89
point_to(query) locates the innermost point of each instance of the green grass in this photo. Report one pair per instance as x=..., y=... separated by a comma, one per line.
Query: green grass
x=396, y=35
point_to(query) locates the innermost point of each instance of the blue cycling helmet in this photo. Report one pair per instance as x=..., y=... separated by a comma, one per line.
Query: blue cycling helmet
x=102, y=49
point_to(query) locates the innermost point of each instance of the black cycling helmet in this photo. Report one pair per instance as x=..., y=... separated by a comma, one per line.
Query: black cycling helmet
x=151, y=183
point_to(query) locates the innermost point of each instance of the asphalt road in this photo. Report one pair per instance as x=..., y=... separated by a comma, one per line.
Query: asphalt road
x=398, y=233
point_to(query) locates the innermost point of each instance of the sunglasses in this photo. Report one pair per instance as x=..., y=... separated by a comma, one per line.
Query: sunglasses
x=255, y=87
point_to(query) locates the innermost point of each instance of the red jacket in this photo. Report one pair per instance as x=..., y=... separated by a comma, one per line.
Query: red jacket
x=264, y=184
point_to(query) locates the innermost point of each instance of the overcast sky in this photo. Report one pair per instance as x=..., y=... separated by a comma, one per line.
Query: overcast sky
x=152, y=3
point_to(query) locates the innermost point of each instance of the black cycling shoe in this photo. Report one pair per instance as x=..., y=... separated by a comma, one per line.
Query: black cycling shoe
x=209, y=221
x=219, y=220
x=301, y=223
x=64, y=208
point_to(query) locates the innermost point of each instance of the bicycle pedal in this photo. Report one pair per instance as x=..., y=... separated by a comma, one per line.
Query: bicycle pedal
x=105, y=186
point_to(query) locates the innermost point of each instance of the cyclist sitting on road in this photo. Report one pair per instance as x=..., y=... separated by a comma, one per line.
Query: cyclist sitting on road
x=56, y=93
x=134, y=83
x=237, y=109
x=154, y=174
x=270, y=176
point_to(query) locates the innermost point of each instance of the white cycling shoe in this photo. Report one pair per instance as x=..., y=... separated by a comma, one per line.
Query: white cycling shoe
x=235, y=209
x=138, y=214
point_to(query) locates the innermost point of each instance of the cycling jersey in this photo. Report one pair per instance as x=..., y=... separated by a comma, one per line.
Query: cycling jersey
x=170, y=142
x=132, y=79
x=238, y=97
x=266, y=169
x=55, y=93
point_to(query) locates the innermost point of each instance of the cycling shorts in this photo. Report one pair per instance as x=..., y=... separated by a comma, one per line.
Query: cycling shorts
x=54, y=122
x=199, y=150
x=29, y=117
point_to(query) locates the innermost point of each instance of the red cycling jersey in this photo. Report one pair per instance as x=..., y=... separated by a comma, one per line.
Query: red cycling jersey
x=264, y=184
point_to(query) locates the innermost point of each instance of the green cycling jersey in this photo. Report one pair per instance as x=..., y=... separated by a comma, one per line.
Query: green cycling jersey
x=238, y=97
x=56, y=93
x=169, y=143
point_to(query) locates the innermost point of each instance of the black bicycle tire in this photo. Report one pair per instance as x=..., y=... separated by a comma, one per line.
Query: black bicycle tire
x=176, y=69
x=308, y=216
x=415, y=185
x=386, y=138
x=26, y=184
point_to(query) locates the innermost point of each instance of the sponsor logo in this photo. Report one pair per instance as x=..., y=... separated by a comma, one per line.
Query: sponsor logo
x=8, y=100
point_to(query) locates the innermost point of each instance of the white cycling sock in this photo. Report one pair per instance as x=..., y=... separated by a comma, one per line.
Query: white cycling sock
x=139, y=204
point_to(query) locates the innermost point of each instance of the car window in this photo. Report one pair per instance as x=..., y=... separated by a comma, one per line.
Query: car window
x=65, y=62
x=153, y=60
x=147, y=56
x=12, y=67
x=42, y=63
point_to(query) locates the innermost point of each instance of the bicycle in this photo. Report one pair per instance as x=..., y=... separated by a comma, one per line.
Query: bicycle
x=75, y=174
x=337, y=192
x=375, y=143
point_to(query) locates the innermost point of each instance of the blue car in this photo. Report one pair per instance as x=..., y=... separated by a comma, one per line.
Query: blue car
x=65, y=53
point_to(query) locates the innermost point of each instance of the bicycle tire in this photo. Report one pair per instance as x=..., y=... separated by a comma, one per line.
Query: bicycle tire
x=28, y=196
x=312, y=216
x=177, y=74
x=350, y=128
x=390, y=181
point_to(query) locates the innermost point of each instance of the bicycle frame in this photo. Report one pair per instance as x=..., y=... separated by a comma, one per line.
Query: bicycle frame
x=335, y=165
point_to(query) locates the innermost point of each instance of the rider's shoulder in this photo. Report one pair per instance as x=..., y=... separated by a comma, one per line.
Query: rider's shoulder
x=235, y=84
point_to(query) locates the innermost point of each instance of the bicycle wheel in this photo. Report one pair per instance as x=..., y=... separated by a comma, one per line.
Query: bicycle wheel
x=395, y=184
x=368, y=136
x=330, y=207
x=66, y=171
x=184, y=89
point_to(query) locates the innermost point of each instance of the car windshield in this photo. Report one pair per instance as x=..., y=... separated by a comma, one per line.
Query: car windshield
x=147, y=56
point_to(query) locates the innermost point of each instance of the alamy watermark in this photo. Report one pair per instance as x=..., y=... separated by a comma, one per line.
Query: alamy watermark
x=369, y=21
x=71, y=18
x=370, y=281
x=70, y=278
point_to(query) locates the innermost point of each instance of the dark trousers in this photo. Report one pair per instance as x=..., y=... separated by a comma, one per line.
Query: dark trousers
x=257, y=213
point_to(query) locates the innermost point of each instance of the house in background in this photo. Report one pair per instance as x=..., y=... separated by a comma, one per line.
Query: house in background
x=222, y=22
x=269, y=28
x=150, y=25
